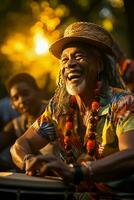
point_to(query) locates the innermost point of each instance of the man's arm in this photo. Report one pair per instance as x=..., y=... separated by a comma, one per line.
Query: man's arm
x=29, y=143
x=113, y=167
x=117, y=165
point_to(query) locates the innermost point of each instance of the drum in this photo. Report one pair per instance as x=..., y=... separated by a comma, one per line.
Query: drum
x=19, y=186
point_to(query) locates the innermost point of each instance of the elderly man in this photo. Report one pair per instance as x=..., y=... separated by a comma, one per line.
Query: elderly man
x=90, y=116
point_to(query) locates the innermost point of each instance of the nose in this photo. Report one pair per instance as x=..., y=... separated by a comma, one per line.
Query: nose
x=22, y=99
x=71, y=63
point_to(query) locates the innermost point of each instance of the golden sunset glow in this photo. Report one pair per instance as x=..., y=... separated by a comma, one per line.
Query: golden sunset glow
x=27, y=40
x=41, y=44
x=30, y=52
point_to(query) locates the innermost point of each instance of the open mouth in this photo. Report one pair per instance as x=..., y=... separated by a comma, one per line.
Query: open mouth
x=72, y=76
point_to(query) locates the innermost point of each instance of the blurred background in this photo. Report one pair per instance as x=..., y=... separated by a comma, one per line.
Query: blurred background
x=28, y=27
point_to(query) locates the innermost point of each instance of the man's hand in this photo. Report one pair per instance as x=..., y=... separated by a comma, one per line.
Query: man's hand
x=41, y=165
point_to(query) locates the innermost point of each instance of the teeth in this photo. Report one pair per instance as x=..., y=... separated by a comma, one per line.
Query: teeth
x=73, y=75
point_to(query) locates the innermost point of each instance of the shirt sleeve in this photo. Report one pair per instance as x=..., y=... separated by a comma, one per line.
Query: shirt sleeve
x=45, y=126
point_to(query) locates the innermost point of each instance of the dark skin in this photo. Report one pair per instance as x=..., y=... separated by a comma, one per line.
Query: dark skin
x=31, y=140
x=113, y=167
x=23, y=97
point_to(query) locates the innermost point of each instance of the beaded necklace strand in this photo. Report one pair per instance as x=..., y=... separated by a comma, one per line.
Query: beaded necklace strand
x=91, y=143
x=69, y=129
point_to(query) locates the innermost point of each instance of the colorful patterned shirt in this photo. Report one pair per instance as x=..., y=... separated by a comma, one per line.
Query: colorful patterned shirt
x=116, y=117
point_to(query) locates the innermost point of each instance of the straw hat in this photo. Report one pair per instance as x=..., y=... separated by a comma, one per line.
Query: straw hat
x=85, y=32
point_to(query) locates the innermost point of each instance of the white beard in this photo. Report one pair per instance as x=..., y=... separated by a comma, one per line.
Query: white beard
x=76, y=90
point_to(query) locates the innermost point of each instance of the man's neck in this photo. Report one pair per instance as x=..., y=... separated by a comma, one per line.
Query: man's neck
x=84, y=101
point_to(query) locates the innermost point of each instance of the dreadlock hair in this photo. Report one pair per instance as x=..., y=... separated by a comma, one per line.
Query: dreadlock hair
x=61, y=97
x=109, y=77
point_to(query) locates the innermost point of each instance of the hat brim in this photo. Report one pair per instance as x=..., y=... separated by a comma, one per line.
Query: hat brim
x=57, y=47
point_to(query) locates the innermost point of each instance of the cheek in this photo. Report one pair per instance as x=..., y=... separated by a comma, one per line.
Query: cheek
x=15, y=105
x=93, y=66
x=63, y=74
x=32, y=98
x=88, y=69
x=62, y=71
x=91, y=73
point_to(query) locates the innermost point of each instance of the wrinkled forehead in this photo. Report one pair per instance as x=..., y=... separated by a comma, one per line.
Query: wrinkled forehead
x=81, y=46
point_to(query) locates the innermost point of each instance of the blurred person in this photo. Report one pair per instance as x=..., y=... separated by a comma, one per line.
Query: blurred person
x=91, y=117
x=25, y=98
x=7, y=113
x=126, y=67
x=127, y=73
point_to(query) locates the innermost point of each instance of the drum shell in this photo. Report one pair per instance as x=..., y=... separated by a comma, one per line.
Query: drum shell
x=17, y=186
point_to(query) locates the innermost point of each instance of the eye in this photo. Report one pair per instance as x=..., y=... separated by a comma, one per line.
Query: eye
x=79, y=56
x=64, y=60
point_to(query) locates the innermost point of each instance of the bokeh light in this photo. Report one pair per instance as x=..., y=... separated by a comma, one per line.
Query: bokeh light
x=29, y=52
x=41, y=44
x=117, y=3
x=107, y=24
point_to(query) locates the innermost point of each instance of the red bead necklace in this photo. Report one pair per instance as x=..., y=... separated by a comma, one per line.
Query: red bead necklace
x=91, y=144
x=69, y=129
